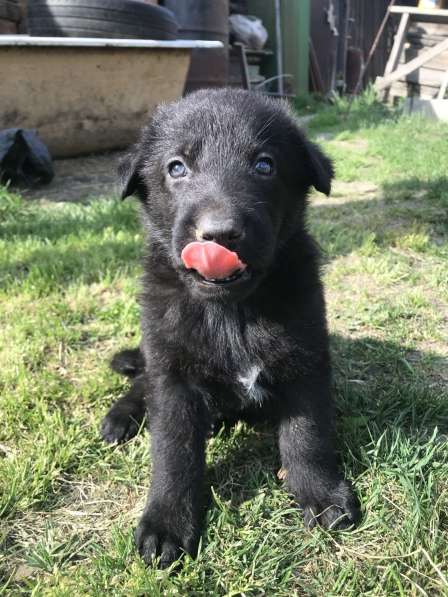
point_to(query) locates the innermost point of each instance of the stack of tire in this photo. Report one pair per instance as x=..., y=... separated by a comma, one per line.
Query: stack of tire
x=10, y=15
x=122, y=19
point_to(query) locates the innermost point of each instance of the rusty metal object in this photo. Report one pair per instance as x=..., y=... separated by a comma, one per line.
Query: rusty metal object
x=355, y=65
x=317, y=83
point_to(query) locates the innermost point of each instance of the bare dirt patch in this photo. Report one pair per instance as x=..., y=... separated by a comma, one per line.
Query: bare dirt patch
x=89, y=510
x=357, y=144
x=347, y=192
x=79, y=179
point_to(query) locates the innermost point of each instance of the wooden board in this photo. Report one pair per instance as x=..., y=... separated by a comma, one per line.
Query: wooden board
x=427, y=76
x=416, y=66
x=440, y=62
x=425, y=41
x=439, y=29
x=443, y=87
x=403, y=89
x=397, y=49
x=404, y=69
x=424, y=16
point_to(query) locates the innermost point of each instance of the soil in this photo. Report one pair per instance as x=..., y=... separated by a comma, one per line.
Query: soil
x=80, y=179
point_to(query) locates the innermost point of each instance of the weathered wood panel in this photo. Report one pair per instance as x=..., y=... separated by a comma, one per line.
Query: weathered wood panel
x=426, y=80
x=403, y=89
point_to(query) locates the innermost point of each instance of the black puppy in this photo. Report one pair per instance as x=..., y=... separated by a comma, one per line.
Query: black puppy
x=233, y=313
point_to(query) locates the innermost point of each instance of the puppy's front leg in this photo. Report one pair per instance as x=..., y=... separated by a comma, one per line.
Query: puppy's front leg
x=172, y=518
x=309, y=457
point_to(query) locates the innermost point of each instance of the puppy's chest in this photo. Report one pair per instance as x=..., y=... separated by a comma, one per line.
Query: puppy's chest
x=249, y=383
x=246, y=354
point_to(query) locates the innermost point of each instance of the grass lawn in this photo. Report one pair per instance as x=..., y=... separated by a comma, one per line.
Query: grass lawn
x=68, y=285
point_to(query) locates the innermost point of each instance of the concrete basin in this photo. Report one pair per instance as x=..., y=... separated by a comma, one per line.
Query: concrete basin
x=85, y=95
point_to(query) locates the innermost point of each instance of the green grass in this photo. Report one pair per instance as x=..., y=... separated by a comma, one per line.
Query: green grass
x=68, y=286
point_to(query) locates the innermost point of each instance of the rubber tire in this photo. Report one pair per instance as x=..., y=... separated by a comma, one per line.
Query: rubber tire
x=10, y=11
x=96, y=28
x=100, y=18
x=104, y=9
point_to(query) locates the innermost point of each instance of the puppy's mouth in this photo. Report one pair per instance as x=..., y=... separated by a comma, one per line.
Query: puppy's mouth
x=214, y=265
x=233, y=279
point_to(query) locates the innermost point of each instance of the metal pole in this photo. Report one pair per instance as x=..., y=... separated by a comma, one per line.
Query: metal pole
x=279, y=44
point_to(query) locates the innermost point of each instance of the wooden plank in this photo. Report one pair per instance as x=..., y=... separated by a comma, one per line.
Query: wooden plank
x=434, y=15
x=433, y=69
x=440, y=29
x=443, y=87
x=399, y=41
x=440, y=62
x=409, y=67
x=426, y=76
x=438, y=66
x=425, y=40
x=403, y=89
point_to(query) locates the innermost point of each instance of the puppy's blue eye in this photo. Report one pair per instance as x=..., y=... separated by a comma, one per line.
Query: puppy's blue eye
x=176, y=169
x=264, y=166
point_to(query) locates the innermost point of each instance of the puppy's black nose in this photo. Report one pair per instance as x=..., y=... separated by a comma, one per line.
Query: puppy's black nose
x=219, y=230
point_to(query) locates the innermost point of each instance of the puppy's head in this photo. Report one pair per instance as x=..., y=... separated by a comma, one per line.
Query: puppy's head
x=223, y=176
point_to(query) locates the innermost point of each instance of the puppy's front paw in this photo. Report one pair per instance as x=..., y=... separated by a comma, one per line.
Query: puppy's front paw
x=334, y=507
x=156, y=537
x=118, y=427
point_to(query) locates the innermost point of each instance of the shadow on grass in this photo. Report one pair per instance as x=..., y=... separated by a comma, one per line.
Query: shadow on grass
x=71, y=252
x=69, y=244
x=381, y=389
x=434, y=191
x=392, y=408
x=26, y=222
x=400, y=208
x=342, y=115
x=51, y=267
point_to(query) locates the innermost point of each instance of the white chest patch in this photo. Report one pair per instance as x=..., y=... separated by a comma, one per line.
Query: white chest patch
x=248, y=380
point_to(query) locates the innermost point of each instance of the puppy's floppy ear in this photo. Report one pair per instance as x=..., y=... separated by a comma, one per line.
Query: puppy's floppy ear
x=131, y=180
x=322, y=171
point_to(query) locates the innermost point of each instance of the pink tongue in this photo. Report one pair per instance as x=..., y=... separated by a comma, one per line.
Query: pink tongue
x=211, y=260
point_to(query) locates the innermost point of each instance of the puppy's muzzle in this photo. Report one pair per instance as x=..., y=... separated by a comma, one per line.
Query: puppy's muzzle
x=221, y=230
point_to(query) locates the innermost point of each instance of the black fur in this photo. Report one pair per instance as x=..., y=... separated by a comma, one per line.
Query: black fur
x=198, y=339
